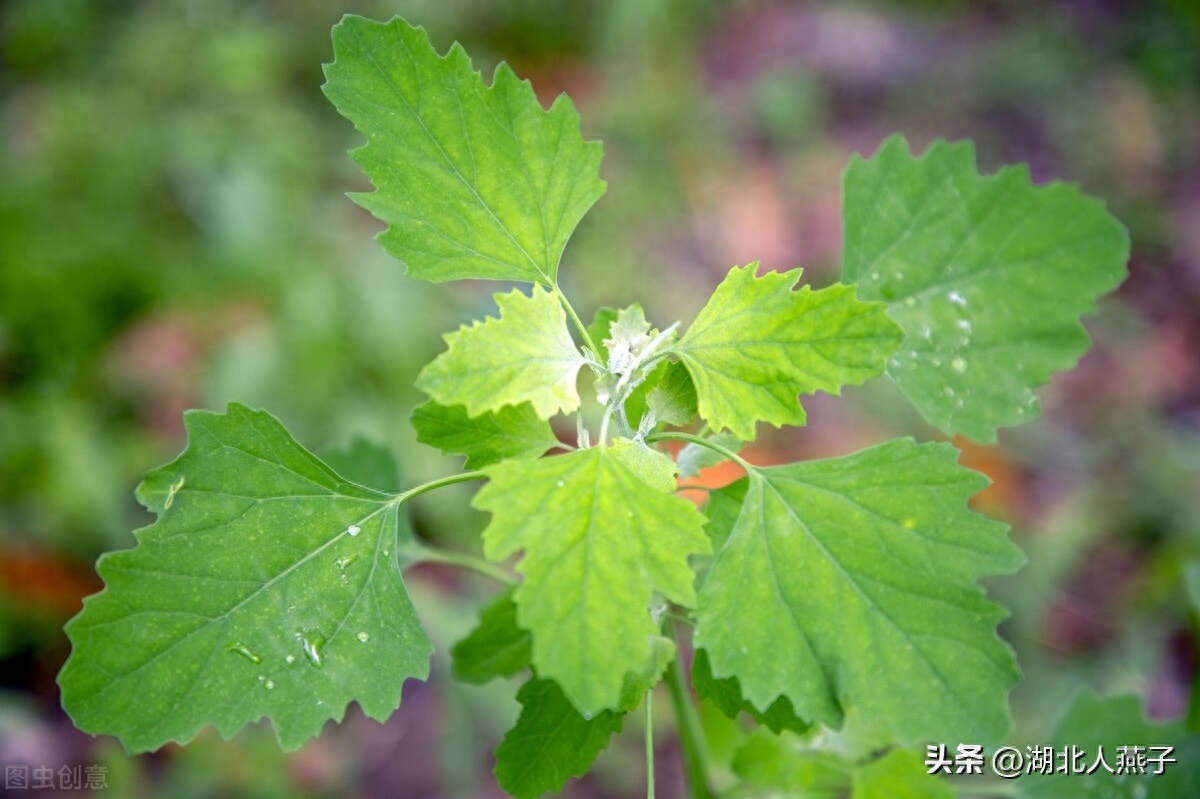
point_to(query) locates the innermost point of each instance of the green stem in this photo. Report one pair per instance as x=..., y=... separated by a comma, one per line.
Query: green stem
x=691, y=736
x=420, y=553
x=441, y=482
x=579, y=325
x=649, y=701
x=704, y=442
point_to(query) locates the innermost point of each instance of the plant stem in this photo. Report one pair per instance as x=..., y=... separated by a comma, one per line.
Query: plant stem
x=704, y=442
x=649, y=701
x=691, y=737
x=421, y=553
x=579, y=325
x=418, y=552
x=441, y=482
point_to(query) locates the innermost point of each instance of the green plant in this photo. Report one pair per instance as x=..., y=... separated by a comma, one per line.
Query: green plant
x=838, y=594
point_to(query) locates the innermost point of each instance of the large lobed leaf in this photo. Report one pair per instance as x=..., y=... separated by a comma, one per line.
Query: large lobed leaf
x=473, y=181
x=988, y=276
x=525, y=355
x=757, y=344
x=857, y=575
x=598, y=542
x=269, y=586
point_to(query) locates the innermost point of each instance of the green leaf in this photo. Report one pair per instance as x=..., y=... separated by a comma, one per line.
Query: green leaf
x=988, y=276
x=726, y=695
x=651, y=466
x=722, y=509
x=757, y=343
x=900, y=774
x=858, y=575
x=497, y=647
x=268, y=586
x=551, y=742
x=511, y=432
x=472, y=181
x=673, y=397
x=366, y=463
x=598, y=543
x=1092, y=723
x=525, y=355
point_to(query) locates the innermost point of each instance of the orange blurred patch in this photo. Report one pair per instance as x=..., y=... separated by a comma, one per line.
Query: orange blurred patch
x=1003, y=498
x=42, y=582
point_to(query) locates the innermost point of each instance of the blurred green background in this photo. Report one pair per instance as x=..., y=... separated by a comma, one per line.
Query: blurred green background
x=173, y=234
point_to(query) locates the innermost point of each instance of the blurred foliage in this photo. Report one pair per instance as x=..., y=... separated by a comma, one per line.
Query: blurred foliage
x=173, y=235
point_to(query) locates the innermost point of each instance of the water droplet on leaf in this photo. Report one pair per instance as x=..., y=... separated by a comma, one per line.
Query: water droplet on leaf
x=959, y=365
x=311, y=642
x=957, y=299
x=354, y=529
x=363, y=636
x=270, y=684
x=243, y=650
x=290, y=659
x=342, y=564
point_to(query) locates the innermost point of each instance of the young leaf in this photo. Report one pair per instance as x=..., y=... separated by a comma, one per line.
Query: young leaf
x=673, y=397
x=268, y=587
x=511, y=432
x=601, y=326
x=757, y=344
x=525, y=355
x=551, y=742
x=472, y=181
x=497, y=647
x=988, y=276
x=598, y=541
x=858, y=575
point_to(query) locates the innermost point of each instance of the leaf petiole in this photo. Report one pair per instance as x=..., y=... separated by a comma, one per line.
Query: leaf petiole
x=441, y=482
x=575, y=320
x=704, y=442
x=420, y=553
